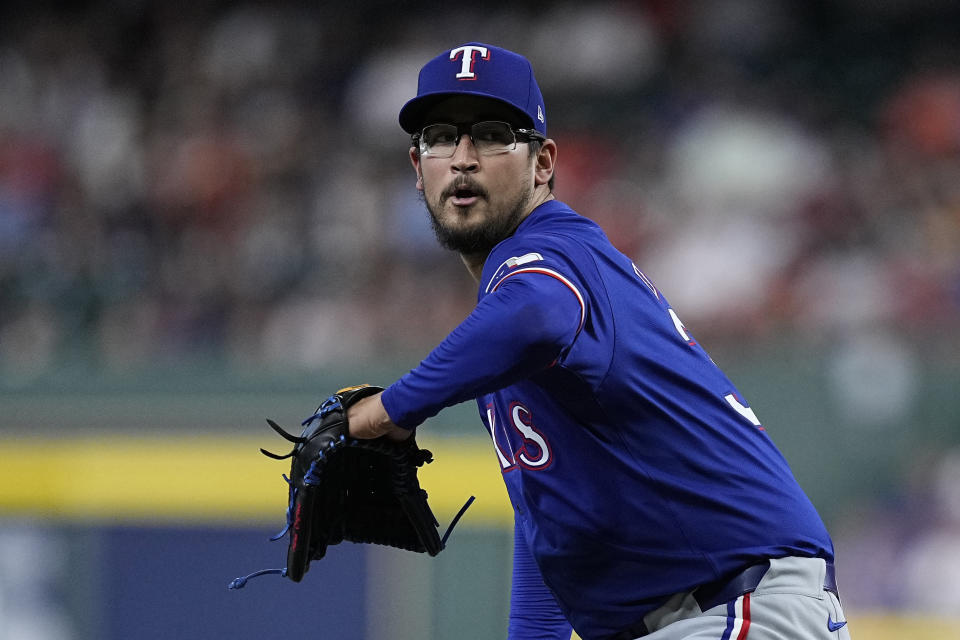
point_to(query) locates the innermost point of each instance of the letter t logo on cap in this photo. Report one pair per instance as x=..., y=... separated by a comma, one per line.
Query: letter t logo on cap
x=469, y=53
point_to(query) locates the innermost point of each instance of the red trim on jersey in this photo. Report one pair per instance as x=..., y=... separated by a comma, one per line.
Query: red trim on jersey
x=557, y=276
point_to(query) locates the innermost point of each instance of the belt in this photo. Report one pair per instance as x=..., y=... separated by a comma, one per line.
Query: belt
x=726, y=589
x=715, y=593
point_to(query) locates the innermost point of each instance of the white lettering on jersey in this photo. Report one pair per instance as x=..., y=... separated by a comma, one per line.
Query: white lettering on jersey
x=682, y=330
x=469, y=53
x=505, y=462
x=535, y=453
x=745, y=411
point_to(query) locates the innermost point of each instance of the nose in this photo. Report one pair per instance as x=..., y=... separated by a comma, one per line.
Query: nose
x=465, y=158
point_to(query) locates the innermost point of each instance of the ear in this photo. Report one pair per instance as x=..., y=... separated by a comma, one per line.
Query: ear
x=415, y=161
x=546, y=162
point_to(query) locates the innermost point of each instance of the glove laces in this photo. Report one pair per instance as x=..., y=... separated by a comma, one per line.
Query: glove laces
x=240, y=583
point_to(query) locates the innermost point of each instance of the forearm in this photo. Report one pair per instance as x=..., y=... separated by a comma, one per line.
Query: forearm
x=520, y=330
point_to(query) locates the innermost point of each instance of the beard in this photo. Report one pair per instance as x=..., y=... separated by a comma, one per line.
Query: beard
x=478, y=238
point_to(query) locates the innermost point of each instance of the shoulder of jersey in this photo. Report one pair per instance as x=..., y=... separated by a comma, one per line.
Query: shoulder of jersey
x=509, y=265
x=533, y=262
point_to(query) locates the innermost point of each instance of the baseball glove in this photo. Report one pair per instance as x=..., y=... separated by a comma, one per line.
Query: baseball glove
x=343, y=488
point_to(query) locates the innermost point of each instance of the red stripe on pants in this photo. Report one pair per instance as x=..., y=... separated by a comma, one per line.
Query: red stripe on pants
x=745, y=628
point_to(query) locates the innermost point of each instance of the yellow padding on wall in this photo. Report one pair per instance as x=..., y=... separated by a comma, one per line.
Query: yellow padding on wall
x=208, y=479
x=889, y=626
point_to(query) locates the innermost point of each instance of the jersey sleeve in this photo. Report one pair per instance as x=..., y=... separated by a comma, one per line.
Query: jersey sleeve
x=522, y=327
x=534, y=613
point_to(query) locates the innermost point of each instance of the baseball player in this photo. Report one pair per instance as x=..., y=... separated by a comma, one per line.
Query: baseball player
x=649, y=500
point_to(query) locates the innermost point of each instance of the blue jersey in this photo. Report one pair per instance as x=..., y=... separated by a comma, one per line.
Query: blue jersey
x=635, y=467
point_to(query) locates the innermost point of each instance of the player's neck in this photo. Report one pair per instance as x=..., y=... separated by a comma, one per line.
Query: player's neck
x=474, y=263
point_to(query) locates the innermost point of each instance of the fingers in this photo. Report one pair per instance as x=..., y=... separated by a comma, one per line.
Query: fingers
x=368, y=419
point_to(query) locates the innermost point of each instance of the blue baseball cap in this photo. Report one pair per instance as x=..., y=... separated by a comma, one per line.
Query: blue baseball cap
x=479, y=70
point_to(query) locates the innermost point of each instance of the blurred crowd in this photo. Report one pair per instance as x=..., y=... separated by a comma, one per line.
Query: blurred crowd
x=902, y=552
x=227, y=181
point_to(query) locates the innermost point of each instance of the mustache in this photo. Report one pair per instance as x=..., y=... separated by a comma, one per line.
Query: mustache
x=463, y=184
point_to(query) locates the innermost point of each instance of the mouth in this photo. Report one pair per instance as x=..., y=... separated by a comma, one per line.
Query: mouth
x=464, y=195
x=464, y=198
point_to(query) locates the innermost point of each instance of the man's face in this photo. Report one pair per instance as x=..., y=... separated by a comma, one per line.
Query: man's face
x=475, y=200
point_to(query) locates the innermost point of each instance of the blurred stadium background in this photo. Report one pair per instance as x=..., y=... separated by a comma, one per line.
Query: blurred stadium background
x=207, y=218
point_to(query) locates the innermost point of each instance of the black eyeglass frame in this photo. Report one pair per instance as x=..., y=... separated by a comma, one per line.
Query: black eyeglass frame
x=519, y=135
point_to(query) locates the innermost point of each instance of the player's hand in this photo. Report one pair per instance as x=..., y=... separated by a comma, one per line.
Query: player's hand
x=368, y=419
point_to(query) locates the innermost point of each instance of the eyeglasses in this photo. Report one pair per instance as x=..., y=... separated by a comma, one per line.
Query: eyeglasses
x=489, y=137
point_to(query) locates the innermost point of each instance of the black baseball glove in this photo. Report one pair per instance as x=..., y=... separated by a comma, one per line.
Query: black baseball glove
x=343, y=488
